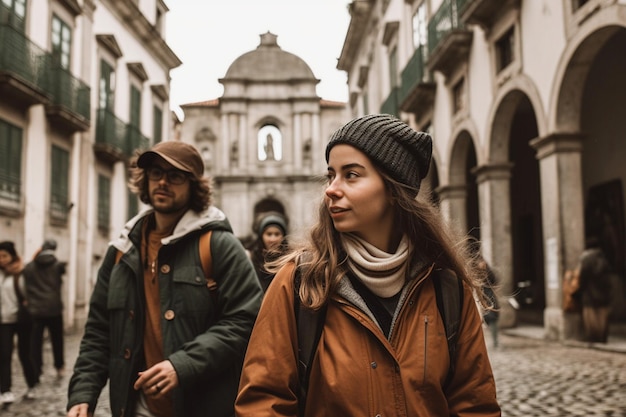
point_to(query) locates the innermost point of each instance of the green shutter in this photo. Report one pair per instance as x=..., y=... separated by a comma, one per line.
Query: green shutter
x=104, y=202
x=10, y=161
x=59, y=183
x=158, y=124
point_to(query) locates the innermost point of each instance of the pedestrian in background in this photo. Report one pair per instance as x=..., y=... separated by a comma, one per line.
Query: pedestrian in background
x=14, y=320
x=168, y=344
x=44, y=280
x=271, y=243
x=595, y=291
x=370, y=262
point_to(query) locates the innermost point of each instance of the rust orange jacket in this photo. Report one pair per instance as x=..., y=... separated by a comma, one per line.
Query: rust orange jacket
x=357, y=371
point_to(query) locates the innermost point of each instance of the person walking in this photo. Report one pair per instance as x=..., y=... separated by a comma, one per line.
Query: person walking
x=270, y=244
x=44, y=279
x=372, y=263
x=14, y=320
x=595, y=291
x=166, y=341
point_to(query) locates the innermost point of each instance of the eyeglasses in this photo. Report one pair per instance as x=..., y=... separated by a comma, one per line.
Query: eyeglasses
x=173, y=176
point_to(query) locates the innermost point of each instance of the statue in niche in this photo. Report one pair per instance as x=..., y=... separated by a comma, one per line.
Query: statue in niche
x=269, y=148
x=306, y=150
x=234, y=153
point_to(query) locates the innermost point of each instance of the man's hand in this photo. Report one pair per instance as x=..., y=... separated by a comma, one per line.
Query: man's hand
x=157, y=380
x=79, y=410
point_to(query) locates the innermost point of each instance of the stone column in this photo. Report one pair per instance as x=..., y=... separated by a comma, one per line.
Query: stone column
x=224, y=164
x=242, y=136
x=453, y=206
x=494, y=202
x=562, y=208
x=296, y=157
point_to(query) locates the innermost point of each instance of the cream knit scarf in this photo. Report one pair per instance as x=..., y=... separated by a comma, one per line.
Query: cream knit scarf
x=382, y=273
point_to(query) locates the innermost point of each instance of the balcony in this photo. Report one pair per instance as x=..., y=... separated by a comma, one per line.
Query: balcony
x=390, y=105
x=486, y=12
x=449, y=41
x=416, y=94
x=70, y=101
x=22, y=68
x=116, y=140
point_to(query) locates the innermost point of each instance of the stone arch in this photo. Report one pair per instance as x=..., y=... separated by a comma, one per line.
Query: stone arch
x=463, y=186
x=504, y=107
x=574, y=66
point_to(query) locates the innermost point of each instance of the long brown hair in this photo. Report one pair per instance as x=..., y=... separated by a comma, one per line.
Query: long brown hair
x=432, y=240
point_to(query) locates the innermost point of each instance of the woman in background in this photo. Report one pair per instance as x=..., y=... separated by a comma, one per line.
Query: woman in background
x=271, y=243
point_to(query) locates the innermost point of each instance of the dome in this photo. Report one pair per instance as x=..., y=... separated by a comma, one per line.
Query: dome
x=268, y=62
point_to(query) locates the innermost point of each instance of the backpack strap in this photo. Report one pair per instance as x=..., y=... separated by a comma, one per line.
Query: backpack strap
x=207, y=263
x=310, y=324
x=449, y=294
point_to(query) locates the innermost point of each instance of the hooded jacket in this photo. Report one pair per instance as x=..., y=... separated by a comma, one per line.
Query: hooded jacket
x=204, y=342
x=357, y=371
x=43, y=280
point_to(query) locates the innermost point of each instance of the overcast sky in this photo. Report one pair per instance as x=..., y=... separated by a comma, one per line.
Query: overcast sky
x=208, y=35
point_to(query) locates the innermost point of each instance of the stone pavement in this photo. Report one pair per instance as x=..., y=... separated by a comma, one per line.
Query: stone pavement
x=534, y=377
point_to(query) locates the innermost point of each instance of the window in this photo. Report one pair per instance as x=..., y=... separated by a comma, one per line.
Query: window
x=135, y=107
x=61, y=42
x=420, y=26
x=504, y=49
x=104, y=203
x=107, y=86
x=10, y=162
x=157, y=130
x=458, y=96
x=269, y=141
x=13, y=13
x=59, y=183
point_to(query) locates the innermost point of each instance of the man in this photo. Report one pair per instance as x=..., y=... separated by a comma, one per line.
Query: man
x=43, y=277
x=167, y=346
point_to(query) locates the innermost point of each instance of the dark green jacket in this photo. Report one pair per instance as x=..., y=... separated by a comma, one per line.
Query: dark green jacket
x=204, y=342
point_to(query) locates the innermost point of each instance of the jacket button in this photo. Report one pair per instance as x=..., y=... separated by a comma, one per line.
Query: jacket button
x=165, y=269
x=169, y=315
x=374, y=365
x=198, y=279
x=126, y=353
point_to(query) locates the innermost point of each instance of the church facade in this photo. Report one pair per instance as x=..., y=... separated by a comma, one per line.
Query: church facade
x=263, y=140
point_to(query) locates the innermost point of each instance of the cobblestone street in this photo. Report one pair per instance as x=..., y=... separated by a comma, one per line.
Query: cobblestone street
x=534, y=378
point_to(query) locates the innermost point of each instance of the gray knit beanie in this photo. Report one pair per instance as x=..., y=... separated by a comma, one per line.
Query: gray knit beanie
x=391, y=144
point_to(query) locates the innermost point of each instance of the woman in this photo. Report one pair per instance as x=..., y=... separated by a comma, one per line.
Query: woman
x=370, y=261
x=11, y=303
x=271, y=242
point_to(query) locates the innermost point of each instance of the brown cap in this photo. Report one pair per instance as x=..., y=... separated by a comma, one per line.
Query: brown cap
x=180, y=154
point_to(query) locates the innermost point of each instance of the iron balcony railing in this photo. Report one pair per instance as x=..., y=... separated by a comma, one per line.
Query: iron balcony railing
x=413, y=73
x=69, y=92
x=22, y=58
x=391, y=104
x=445, y=19
x=115, y=133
